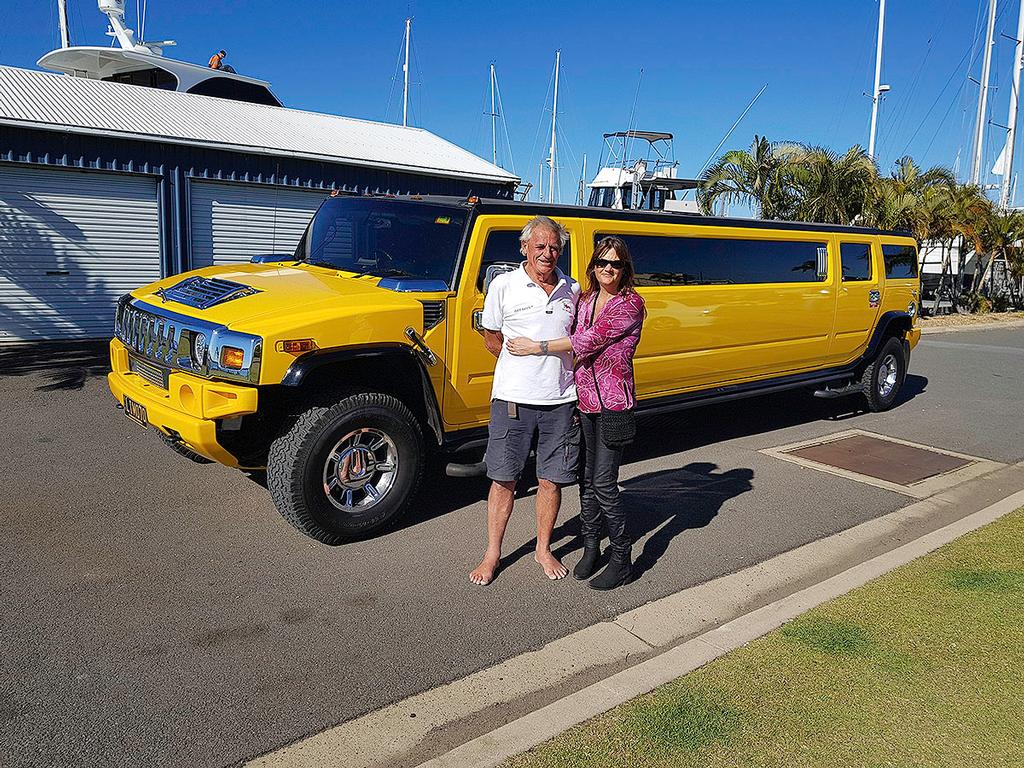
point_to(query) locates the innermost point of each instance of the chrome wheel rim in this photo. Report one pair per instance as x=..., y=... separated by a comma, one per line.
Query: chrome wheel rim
x=887, y=373
x=360, y=470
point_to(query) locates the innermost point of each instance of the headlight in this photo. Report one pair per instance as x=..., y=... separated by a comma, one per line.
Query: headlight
x=199, y=349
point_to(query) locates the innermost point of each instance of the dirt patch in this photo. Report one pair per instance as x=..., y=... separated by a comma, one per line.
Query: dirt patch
x=955, y=321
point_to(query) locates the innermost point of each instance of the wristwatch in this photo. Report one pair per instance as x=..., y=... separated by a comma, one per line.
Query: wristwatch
x=543, y=347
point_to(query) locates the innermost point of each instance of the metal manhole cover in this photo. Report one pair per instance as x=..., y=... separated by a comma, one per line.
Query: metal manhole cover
x=882, y=459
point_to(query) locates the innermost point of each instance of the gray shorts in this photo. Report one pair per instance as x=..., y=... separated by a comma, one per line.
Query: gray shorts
x=557, y=428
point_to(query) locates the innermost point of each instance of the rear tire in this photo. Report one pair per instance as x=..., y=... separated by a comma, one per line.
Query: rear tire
x=339, y=471
x=882, y=379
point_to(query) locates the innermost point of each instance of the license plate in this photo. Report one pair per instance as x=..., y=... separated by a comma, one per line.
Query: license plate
x=136, y=412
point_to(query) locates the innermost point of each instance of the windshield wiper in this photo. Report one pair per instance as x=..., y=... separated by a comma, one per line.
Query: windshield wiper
x=392, y=273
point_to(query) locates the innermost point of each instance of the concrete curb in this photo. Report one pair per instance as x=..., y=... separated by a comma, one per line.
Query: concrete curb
x=711, y=612
x=978, y=327
x=523, y=734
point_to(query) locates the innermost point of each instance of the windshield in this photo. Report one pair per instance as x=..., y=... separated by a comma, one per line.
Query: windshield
x=385, y=237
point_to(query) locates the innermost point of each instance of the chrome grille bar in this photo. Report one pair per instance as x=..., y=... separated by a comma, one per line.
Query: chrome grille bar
x=165, y=338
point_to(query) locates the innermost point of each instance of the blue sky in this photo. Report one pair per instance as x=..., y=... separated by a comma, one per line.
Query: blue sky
x=702, y=63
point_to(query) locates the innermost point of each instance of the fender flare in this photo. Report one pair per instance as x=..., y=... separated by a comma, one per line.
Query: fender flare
x=893, y=320
x=402, y=355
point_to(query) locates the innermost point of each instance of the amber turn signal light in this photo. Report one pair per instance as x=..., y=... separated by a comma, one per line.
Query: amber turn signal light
x=296, y=346
x=231, y=357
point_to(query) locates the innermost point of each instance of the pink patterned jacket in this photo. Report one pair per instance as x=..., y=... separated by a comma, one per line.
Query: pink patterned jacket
x=607, y=348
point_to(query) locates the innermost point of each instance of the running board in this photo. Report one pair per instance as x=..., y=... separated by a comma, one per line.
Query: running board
x=828, y=393
x=454, y=469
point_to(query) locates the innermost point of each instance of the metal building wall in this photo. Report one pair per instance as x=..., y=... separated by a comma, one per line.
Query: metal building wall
x=231, y=223
x=173, y=172
x=71, y=242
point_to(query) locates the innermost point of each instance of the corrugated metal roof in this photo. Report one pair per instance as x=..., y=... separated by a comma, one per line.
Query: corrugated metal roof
x=59, y=102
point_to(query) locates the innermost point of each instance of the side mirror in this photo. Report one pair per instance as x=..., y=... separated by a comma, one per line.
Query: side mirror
x=493, y=270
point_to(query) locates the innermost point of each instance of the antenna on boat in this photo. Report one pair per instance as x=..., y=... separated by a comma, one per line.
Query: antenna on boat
x=114, y=11
x=494, y=122
x=725, y=138
x=498, y=110
x=62, y=11
x=552, y=157
x=405, y=69
x=979, y=126
x=583, y=178
x=876, y=95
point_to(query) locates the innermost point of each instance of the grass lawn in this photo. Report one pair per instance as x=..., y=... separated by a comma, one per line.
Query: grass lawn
x=922, y=667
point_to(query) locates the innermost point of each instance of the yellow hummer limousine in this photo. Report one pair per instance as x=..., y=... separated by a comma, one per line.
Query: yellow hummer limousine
x=341, y=367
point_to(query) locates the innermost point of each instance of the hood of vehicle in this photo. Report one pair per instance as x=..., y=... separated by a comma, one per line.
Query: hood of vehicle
x=263, y=289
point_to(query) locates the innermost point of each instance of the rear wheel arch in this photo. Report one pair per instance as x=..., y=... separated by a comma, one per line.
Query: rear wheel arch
x=892, y=324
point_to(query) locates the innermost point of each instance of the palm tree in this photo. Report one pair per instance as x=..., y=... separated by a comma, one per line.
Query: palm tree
x=757, y=177
x=1001, y=234
x=912, y=199
x=833, y=188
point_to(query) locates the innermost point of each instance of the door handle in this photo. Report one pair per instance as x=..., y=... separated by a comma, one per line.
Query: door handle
x=478, y=320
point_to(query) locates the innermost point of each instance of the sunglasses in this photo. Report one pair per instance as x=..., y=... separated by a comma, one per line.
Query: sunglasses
x=613, y=263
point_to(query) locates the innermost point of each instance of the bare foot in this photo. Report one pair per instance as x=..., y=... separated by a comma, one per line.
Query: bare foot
x=484, y=573
x=553, y=568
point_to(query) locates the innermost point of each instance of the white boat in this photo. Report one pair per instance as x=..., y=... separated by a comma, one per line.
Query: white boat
x=140, y=62
x=647, y=180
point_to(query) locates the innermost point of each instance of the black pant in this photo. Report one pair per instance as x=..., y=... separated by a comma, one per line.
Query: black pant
x=599, y=490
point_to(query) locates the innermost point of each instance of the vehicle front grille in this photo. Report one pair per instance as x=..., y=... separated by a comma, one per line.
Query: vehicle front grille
x=154, y=374
x=205, y=292
x=158, y=339
x=433, y=313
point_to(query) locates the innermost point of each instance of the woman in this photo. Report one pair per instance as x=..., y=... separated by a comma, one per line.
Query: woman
x=604, y=339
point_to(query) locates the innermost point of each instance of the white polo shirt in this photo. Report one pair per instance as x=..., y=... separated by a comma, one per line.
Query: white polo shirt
x=517, y=306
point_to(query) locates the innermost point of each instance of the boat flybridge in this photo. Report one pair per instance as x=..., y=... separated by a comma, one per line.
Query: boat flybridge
x=139, y=62
x=645, y=181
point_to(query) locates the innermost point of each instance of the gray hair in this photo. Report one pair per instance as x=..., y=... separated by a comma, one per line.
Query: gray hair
x=543, y=222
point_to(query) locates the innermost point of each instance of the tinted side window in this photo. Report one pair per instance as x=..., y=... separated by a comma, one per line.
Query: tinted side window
x=856, y=258
x=502, y=247
x=717, y=261
x=900, y=261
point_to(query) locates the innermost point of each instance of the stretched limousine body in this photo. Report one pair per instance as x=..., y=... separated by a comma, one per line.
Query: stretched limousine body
x=339, y=367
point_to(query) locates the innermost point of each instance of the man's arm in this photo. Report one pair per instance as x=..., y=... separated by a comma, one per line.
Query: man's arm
x=493, y=340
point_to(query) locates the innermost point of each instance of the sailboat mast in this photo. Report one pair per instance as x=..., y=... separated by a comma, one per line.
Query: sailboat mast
x=554, y=117
x=1011, y=121
x=62, y=12
x=405, y=89
x=877, y=93
x=979, y=126
x=494, y=117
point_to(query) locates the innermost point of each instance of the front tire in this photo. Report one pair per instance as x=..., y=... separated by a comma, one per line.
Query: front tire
x=339, y=471
x=884, y=376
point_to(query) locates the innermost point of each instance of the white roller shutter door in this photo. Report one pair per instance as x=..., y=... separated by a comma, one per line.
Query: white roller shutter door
x=233, y=222
x=71, y=243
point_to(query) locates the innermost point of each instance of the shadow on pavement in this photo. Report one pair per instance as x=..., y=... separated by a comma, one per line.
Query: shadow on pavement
x=677, y=499
x=65, y=365
x=671, y=501
x=664, y=503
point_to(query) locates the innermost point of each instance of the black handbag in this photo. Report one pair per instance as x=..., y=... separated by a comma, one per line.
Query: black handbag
x=617, y=428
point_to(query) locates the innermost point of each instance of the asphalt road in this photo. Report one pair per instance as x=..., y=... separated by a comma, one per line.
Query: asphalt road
x=156, y=612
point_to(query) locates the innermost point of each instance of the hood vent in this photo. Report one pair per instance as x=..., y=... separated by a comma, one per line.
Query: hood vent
x=433, y=313
x=205, y=292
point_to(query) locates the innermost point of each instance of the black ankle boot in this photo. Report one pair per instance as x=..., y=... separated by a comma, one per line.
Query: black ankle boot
x=617, y=573
x=585, y=567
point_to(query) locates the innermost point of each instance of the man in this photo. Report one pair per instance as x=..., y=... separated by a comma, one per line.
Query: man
x=217, y=60
x=531, y=395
